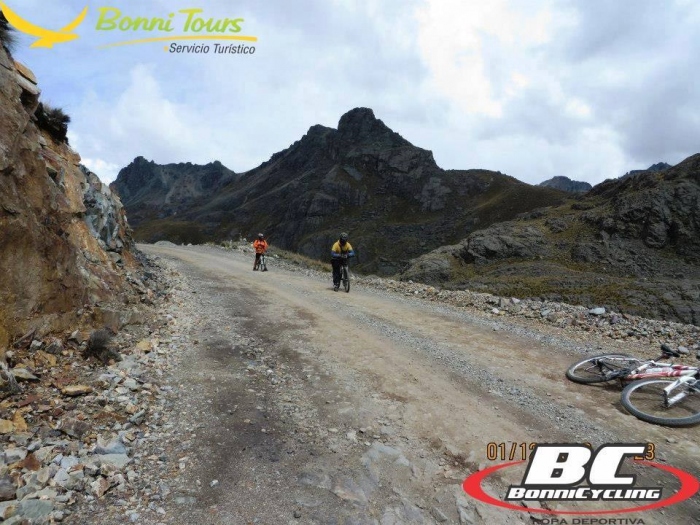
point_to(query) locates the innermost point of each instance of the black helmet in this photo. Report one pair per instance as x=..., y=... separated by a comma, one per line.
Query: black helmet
x=344, y=237
x=261, y=236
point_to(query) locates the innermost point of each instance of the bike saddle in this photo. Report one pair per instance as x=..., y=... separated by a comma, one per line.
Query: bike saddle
x=668, y=351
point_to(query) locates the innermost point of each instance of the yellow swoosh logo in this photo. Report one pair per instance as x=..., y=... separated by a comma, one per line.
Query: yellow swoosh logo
x=47, y=37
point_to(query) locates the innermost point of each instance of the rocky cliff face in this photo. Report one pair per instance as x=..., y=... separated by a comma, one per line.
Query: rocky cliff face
x=632, y=244
x=566, y=184
x=363, y=178
x=155, y=191
x=64, y=238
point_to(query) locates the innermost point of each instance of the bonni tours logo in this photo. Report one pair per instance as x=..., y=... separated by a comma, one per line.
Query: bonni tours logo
x=191, y=24
x=46, y=37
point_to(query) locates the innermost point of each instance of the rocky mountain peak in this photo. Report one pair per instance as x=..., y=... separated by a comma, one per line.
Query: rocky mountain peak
x=659, y=166
x=359, y=119
x=563, y=183
x=141, y=161
x=359, y=125
x=359, y=133
x=654, y=168
x=317, y=130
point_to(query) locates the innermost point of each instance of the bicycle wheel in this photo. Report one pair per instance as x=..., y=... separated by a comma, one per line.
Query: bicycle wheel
x=346, y=279
x=647, y=400
x=601, y=368
x=263, y=264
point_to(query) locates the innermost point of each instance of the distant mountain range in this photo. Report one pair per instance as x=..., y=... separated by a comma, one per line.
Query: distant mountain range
x=631, y=243
x=566, y=184
x=156, y=191
x=363, y=178
x=572, y=186
x=659, y=166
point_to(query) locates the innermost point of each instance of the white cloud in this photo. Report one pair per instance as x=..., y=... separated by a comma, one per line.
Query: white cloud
x=534, y=88
x=106, y=171
x=480, y=55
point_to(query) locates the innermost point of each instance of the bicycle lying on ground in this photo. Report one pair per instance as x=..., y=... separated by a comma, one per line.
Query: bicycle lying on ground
x=608, y=367
x=663, y=393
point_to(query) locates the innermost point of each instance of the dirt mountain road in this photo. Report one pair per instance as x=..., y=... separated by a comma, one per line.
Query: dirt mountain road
x=301, y=405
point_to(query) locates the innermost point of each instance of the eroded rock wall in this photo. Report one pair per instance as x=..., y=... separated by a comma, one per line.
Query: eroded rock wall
x=64, y=239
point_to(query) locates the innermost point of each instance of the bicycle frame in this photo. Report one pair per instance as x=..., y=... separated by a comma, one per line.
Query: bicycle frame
x=692, y=382
x=653, y=369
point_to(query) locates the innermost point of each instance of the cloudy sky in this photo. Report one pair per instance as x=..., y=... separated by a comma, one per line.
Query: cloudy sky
x=533, y=88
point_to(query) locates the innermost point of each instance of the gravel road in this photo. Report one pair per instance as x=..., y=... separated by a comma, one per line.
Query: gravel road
x=295, y=404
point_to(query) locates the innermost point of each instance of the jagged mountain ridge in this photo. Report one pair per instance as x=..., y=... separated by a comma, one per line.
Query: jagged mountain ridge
x=631, y=243
x=563, y=183
x=361, y=177
x=659, y=166
x=162, y=190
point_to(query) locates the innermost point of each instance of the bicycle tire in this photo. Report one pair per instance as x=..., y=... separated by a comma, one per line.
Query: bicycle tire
x=601, y=368
x=263, y=264
x=346, y=280
x=641, y=397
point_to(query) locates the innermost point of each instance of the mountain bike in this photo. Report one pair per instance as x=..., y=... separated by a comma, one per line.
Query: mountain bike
x=261, y=264
x=344, y=274
x=608, y=367
x=658, y=392
x=664, y=401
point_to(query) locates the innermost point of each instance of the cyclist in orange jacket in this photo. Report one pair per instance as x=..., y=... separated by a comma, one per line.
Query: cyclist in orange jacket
x=260, y=246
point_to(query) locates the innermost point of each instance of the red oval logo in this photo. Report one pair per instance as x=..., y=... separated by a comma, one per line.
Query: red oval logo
x=689, y=486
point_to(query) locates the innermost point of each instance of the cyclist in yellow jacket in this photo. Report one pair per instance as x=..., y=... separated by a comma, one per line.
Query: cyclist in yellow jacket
x=341, y=248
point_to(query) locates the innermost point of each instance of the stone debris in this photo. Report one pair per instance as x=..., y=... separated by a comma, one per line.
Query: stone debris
x=22, y=374
x=569, y=318
x=79, y=430
x=76, y=390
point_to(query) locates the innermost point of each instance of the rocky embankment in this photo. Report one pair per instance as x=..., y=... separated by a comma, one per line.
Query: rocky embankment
x=74, y=431
x=566, y=317
x=630, y=244
x=64, y=239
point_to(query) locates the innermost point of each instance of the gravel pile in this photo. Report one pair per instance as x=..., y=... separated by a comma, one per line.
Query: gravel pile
x=77, y=429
